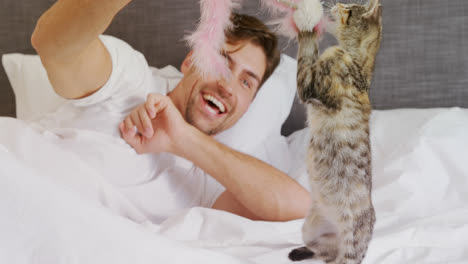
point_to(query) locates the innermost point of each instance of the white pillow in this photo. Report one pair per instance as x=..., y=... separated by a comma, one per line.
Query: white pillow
x=35, y=97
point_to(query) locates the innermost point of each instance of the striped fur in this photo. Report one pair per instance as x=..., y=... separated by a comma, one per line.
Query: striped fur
x=335, y=87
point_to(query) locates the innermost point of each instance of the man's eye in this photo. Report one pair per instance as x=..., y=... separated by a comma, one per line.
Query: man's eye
x=246, y=83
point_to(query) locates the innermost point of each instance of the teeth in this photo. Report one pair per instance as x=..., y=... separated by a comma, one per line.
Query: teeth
x=215, y=102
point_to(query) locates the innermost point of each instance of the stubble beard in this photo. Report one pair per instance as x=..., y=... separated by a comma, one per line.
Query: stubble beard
x=190, y=118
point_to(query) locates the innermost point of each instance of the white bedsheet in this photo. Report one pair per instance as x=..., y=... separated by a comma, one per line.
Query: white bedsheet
x=420, y=194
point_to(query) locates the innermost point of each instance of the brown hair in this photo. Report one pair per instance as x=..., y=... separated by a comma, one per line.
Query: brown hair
x=249, y=28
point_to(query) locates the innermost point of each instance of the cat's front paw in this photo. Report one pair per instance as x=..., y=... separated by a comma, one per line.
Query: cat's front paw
x=308, y=14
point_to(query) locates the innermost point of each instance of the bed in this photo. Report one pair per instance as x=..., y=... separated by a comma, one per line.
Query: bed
x=419, y=135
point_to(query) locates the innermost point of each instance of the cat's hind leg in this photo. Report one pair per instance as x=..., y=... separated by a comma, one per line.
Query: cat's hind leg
x=324, y=247
x=320, y=236
x=301, y=253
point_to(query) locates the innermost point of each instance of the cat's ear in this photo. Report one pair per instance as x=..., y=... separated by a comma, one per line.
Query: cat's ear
x=371, y=4
x=374, y=10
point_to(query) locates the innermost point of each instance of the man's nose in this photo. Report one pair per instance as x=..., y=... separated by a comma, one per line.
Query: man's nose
x=226, y=86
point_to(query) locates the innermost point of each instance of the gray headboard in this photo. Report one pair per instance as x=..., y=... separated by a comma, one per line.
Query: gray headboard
x=423, y=61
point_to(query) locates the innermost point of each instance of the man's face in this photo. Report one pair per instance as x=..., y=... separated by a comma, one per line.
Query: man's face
x=214, y=105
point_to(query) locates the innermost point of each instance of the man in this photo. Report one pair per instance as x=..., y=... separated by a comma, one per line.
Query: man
x=95, y=76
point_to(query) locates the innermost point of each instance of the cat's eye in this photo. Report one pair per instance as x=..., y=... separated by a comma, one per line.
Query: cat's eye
x=350, y=13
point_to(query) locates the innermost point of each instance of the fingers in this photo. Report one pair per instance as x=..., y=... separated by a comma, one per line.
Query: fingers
x=155, y=103
x=137, y=128
x=149, y=105
x=128, y=129
x=138, y=121
x=146, y=126
x=129, y=125
x=131, y=137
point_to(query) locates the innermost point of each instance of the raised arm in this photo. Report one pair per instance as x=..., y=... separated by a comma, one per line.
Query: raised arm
x=66, y=39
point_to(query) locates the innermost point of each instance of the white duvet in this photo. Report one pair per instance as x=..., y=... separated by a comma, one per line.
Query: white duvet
x=420, y=194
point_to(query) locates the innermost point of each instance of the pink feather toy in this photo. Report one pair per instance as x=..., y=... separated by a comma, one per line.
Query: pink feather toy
x=208, y=39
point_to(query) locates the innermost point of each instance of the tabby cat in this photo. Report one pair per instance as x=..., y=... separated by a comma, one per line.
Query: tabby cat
x=335, y=88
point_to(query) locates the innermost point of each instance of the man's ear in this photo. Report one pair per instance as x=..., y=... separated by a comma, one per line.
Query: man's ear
x=187, y=63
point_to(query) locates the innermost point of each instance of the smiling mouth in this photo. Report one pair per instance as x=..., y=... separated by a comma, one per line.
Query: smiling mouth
x=214, y=103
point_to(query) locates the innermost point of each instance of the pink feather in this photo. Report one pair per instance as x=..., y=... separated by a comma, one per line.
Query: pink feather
x=208, y=39
x=285, y=24
x=321, y=27
x=276, y=7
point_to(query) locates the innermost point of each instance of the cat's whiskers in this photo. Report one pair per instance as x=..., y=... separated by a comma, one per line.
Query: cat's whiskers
x=328, y=5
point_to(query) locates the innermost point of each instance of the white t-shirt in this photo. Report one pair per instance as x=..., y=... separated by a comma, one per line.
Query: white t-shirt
x=159, y=185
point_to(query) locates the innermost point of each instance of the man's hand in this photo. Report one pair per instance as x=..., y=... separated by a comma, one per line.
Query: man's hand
x=154, y=126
